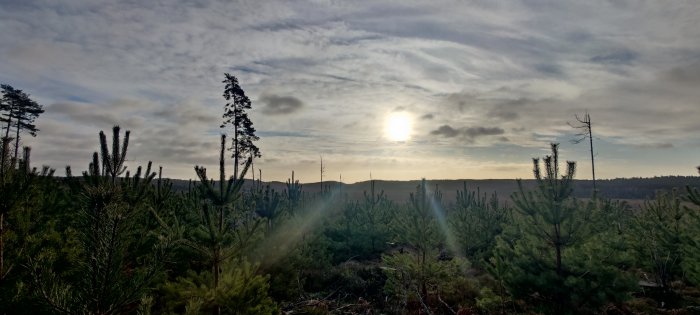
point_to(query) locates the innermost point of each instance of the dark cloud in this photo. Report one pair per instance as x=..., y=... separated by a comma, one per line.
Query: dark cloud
x=483, y=131
x=461, y=101
x=506, y=115
x=492, y=105
x=288, y=134
x=187, y=113
x=280, y=105
x=85, y=114
x=623, y=57
x=427, y=117
x=549, y=69
x=510, y=109
x=445, y=131
x=448, y=131
x=689, y=74
x=655, y=145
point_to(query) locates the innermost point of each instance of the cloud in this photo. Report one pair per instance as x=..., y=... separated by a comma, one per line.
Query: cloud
x=445, y=131
x=622, y=57
x=287, y=134
x=470, y=133
x=550, y=69
x=474, y=132
x=687, y=74
x=127, y=113
x=280, y=105
x=427, y=117
x=655, y=145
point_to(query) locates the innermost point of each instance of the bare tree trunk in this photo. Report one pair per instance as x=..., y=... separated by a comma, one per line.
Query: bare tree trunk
x=235, y=149
x=9, y=122
x=2, y=246
x=217, y=263
x=6, y=145
x=17, y=140
x=222, y=179
x=5, y=154
x=585, y=125
x=557, y=246
x=590, y=138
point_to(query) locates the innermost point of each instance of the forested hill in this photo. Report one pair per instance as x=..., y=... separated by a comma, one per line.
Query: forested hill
x=620, y=188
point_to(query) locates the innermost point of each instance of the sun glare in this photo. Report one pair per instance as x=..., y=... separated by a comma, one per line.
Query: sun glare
x=398, y=127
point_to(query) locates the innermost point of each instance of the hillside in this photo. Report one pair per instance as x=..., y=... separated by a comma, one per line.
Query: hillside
x=619, y=188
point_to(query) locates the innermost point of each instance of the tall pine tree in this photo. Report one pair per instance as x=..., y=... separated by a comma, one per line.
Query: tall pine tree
x=235, y=115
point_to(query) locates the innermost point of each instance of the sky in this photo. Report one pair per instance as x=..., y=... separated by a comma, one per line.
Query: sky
x=487, y=85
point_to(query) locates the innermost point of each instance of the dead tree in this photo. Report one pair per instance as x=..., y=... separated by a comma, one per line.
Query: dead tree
x=583, y=125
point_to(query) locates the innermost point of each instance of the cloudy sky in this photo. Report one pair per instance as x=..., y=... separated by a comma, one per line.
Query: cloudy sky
x=488, y=84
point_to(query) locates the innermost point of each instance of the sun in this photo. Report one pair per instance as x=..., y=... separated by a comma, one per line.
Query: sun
x=398, y=126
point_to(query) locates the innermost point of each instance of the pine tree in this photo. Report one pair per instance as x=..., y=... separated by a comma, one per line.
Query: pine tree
x=691, y=265
x=558, y=260
x=419, y=229
x=235, y=115
x=419, y=272
x=114, y=267
x=293, y=195
x=374, y=215
x=550, y=211
x=19, y=192
x=29, y=210
x=664, y=239
x=362, y=231
x=267, y=205
x=224, y=229
x=20, y=112
x=476, y=221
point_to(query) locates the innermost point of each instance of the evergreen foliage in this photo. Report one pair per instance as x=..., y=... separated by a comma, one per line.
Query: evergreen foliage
x=691, y=263
x=665, y=241
x=109, y=273
x=554, y=259
x=362, y=231
x=27, y=194
x=222, y=230
x=235, y=115
x=268, y=206
x=420, y=274
x=476, y=221
x=658, y=233
x=19, y=112
x=293, y=194
x=239, y=290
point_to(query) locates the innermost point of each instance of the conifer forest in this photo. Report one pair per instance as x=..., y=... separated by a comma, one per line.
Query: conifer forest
x=111, y=239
